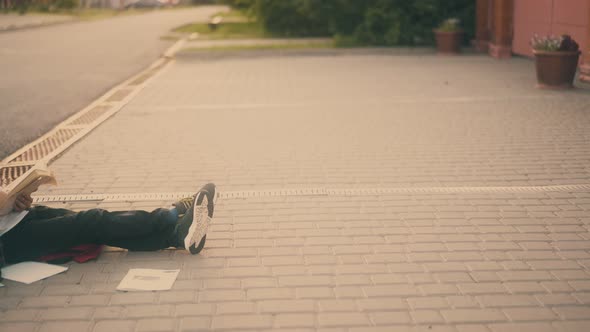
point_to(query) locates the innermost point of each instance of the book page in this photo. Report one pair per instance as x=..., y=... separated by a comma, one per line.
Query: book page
x=30, y=181
x=10, y=220
x=29, y=272
x=148, y=280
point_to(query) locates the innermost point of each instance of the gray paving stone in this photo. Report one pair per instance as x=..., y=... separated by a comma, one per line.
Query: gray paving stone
x=59, y=326
x=19, y=315
x=19, y=327
x=156, y=325
x=195, y=324
x=79, y=313
x=114, y=325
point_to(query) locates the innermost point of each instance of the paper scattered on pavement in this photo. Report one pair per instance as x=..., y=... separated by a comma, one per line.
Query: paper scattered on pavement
x=29, y=272
x=148, y=280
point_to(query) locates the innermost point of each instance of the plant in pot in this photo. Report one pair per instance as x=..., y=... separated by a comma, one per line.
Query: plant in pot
x=556, y=61
x=449, y=36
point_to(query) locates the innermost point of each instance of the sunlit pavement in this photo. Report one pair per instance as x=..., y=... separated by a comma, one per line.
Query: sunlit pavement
x=453, y=196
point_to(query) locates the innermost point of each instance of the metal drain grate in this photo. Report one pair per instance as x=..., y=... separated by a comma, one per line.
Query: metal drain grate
x=458, y=190
x=143, y=197
x=9, y=173
x=132, y=197
x=43, y=148
x=146, y=197
x=89, y=116
x=119, y=95
x=274, y=193
x=141, y=79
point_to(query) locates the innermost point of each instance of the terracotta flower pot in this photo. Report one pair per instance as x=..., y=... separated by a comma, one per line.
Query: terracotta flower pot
x=448, y=42
x=556, y=69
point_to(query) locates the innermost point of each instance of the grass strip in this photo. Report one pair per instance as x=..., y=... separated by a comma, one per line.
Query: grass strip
x=278, y=46
x=228, y=30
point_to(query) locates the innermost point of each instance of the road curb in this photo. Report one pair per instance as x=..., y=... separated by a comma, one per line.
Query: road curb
x=11, y=28
x=208, y=54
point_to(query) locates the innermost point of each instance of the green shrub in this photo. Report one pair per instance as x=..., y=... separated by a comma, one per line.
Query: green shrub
x=49, y=5
x=379, y=27
x=361, y=22
x=22, y=6
x=398, y=22
x=66, y=4
x=238, y=4
x=294, y=17
x=345, y=15
x=345, y=41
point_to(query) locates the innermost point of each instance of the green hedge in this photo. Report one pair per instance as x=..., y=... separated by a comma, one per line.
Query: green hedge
x=22, y=6
x=360, y=22
x=294, y=17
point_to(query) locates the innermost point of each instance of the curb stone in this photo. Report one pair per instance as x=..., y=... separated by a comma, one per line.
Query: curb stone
x=12, y=27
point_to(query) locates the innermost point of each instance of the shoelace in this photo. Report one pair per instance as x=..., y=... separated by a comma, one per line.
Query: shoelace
x=186, y=203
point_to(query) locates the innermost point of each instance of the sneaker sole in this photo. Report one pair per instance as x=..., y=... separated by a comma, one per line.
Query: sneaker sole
x=200, y=224
x=198, y=227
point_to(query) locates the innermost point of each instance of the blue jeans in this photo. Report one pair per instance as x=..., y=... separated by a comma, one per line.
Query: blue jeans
x=46, y=231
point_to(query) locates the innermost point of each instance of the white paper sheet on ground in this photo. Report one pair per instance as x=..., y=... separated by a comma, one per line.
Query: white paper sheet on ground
x=148, y=280
x=29, y=272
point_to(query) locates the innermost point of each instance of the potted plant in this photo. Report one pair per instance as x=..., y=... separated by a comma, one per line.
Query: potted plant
x=556, y=61
x=449, y=37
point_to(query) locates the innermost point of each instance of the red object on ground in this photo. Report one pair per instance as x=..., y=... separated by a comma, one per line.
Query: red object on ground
x=80, y=254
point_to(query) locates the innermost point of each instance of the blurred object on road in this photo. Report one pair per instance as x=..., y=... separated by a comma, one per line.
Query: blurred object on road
x=215, y=22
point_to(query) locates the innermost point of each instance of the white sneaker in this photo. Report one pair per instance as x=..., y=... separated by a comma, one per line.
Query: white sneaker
x=202, y=214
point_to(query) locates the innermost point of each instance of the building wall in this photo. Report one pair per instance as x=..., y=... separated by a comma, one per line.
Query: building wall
x=546, y=17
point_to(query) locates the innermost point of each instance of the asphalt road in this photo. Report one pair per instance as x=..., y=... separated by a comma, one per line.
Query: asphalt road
x=47, y=74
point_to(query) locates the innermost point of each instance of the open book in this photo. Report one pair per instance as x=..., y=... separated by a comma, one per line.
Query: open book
x=27, y=183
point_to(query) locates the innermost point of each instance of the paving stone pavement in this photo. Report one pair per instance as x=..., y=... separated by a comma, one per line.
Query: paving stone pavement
x=417, y=261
